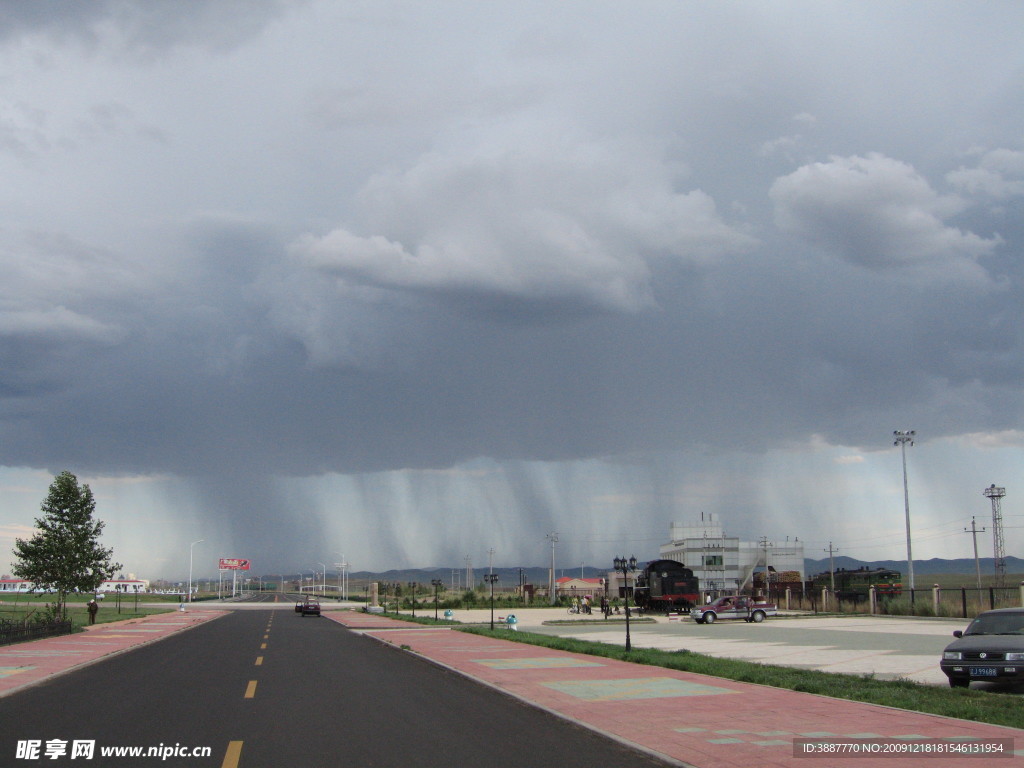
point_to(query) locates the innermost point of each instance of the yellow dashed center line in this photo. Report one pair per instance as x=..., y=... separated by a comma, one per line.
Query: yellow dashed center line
x=259, y=661
x=263, y=646
x=250, y=689
x=232, y=755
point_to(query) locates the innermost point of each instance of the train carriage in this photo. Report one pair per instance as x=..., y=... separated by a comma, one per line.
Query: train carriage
x=853, y=585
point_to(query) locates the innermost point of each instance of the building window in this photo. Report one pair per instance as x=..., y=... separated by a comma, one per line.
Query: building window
x=712, y=560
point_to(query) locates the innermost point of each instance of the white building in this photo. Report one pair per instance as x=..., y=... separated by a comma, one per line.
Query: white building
x=724, y=563
x=129, y=585
x=126, y=586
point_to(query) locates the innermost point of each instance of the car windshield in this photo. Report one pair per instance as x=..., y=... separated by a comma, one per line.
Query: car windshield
x=997, y=624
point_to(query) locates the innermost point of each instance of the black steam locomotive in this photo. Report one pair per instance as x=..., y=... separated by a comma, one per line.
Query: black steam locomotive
x=666, y=585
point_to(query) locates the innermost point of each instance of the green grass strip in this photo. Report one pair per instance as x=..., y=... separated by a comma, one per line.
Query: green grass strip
x=965, y=704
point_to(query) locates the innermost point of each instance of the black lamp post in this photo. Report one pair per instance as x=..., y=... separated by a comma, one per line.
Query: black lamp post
x=396, y=587
x=437, y=585
x=626, y=567
x=412, y=588
x=491, y=578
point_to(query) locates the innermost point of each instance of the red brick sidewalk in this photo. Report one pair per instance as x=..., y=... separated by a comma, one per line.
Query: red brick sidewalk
x=698, y=720
x=25, y=664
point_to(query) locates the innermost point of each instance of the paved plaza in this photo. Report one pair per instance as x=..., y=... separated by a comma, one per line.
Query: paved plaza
x=883, y=646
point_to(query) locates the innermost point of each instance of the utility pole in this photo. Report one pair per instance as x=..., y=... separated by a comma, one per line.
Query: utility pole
x=553, y=538
x=767, y=580
x=998, y=545
x=832, y=565
x=490, y=560
x=469, y=572
x=902, y=438
x=974, y=534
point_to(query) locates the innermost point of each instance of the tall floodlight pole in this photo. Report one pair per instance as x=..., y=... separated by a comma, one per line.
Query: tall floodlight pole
x=999, y=547
x=190, y=567
x=553, y=538
x=902, y=438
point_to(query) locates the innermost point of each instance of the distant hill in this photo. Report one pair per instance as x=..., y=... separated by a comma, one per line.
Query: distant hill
x=964, y=565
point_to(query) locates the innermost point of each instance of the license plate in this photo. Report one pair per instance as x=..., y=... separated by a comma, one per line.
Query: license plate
x=984, y=672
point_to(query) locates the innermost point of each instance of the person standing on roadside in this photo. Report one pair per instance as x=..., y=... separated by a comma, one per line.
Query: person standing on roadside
x=92, y=607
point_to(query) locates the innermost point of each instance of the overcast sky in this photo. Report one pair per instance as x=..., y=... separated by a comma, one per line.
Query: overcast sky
x=408, y=282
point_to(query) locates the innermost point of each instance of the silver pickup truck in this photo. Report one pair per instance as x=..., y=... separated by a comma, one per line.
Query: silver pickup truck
x=732, y=607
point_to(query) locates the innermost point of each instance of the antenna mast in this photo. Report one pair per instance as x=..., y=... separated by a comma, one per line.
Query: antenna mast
x=999, y=546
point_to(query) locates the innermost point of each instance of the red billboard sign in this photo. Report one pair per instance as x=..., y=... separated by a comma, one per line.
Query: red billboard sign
x=234, y=564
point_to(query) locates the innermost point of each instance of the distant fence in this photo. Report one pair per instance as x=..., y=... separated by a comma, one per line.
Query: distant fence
x=19, y=631
x=952, y=602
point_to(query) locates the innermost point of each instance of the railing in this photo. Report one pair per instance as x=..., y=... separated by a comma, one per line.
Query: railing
x=19, y=631
x=952, y=602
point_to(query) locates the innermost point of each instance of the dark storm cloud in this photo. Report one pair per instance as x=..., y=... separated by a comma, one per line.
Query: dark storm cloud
x=213, y=24
x=378, y=239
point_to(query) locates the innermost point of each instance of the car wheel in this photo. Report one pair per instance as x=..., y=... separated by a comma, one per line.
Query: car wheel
x=959, y=682
x=699, y=621
x=758, y=617
x=709, y=618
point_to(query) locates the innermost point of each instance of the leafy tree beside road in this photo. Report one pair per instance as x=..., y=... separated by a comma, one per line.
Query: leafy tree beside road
x=64, y=555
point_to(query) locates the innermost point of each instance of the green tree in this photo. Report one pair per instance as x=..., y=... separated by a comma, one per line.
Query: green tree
x=64, y=554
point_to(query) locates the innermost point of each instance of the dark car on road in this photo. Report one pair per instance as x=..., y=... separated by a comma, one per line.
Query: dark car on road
x=991, y=649
x=311, y=607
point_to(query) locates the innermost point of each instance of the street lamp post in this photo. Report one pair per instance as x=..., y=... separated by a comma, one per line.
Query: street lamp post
x=437, y=585
x=491, y=578
x=190, y=567
x=902, y=438
x=553, y=538
x=412, y=588
x=342, y=567
x=323, y=579
x=626, y=567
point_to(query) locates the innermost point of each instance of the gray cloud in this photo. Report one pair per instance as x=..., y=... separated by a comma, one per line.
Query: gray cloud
x=877, y=212
x=573, y=225
x=212, y=24
x=424, y=278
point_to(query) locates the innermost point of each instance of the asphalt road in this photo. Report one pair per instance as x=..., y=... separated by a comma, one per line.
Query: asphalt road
x=271, y=688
